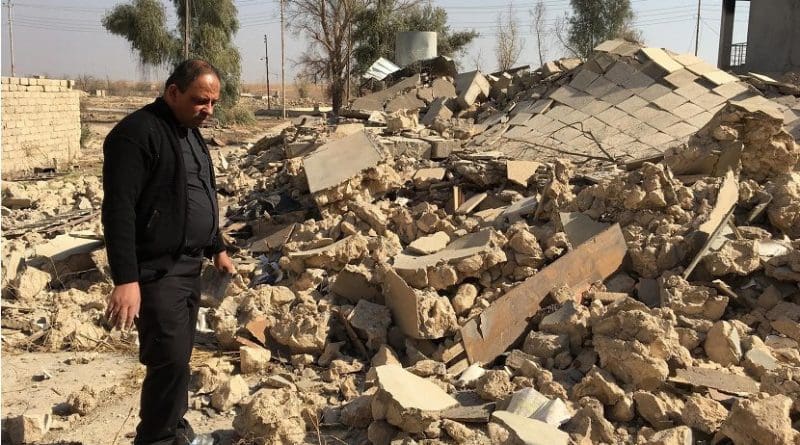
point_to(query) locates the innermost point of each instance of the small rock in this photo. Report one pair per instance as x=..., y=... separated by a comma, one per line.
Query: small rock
x=723, y=344
x=28, y=428
x=465, y=298
x=458, y=431
x=430, y=244
x=371, y=321
x=703, y=414
x=82, y=402
x=358, y=412
x=494, y=385
x=544, y=345
x=681, y=435
x=229, y=394
x=761, y=421
x=253, y=359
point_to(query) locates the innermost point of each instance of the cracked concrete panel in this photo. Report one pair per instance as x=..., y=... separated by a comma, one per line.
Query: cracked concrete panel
x=338, y=161
x=662, y=59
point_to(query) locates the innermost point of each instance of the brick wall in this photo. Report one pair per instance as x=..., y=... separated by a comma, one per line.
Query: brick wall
x=41, y=124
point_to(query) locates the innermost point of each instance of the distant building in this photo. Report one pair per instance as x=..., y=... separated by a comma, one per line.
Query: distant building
x=773, y=38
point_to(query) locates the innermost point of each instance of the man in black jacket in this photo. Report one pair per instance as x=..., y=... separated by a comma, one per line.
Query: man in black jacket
x=160, y=217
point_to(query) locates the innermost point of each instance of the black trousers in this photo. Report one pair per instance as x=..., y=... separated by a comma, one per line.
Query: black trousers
x=166, y=327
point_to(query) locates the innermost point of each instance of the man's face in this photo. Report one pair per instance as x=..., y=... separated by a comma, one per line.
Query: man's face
x=193, y=106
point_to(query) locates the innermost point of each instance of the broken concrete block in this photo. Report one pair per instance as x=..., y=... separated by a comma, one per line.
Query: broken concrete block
x=441, y=148
x=272, y=416
x=437, y=110
x=406, y=401
x=494, y=385
x=464, y=298
x=681, y=435
x=375, y=101
x=357, y=413
x=397, y=146
x=757, y=421
x=408, y=102
x=740, y=257
x=530, y=431
x=526, y=402
x=338, y=161
x=571, y=319
x=229, y=393
x=550, y=68
x=459, y=432
x=545, y=345
x=304, y=328
x=380, y=432
x=600, y=385
x=28, y=428
x=371, y=321
x=723, y=344
x=353, y=283
x=419, y=314
x=659, y=409
x=30, y=283
x=254, y=359
x=759, y=358
x=402, y=120
x=430, y=244
x=471, y=87
x=555, y=412
x=631, y=362
x=703, y=414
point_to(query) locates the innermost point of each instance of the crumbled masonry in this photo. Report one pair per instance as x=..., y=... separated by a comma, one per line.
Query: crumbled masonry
x=366, y=246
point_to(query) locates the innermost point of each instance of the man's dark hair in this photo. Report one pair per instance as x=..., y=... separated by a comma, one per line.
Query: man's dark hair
x=187, y=71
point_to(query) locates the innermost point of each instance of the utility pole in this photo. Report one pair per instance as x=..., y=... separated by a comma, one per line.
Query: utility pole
x=283, y=63
x=266, y=60
x=10, y=37
x=349, y=56
x=697, y=29
x=186, y=30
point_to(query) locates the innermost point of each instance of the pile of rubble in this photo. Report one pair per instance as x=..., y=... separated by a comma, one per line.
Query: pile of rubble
x=604, y=252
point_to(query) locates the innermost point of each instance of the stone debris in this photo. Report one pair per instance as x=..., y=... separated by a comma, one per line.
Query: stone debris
x=599, y=251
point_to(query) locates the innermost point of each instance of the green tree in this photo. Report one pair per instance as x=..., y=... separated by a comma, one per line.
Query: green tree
x=594, y=21
x=378, y=25
x=212, y=23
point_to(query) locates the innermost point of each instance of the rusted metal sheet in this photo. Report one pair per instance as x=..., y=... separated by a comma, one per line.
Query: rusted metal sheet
x=487, y=336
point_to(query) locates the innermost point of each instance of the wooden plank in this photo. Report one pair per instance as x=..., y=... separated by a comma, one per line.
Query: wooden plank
x=488, y=335
x=458, y=367
x=452, y=352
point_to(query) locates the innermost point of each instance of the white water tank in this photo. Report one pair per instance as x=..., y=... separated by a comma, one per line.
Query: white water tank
x=411, y=46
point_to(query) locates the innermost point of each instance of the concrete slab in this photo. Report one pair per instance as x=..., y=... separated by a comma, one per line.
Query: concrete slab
x=632, y=104
x=638, y=82
x=691, y=90
x=700, y=120
x=680, y=130
x=681, y=78
x=470, y=87
x=620, y=72
x=408, y=101
x=470, y=204
x=654, y=91
x=64, y=246
x=730, y=90
x=531, y=431
x=609, y=45
x=559, y=112
x=611, y=115
x=443, y=88
x=647, y=113
x=664, y=120
x=708, y=101
x=575, y=116
x=579, y=227
x=669, y=102
x=617, y=95
x=662, y=59
x=660, y=139
x=720, y=77
x=604, y=61
x=701, y=68
x=687, y=59
x=687, y=110
x=600, y=87
x=524, y=206
x=464, y=247
x=596, y=106
x=538, y=121
x=412, y=392
x=583, y=79
x=520, y=172
x=375, y=101
x=429, y=174
x=338, y=161
x=438, y=109
x=520, y=118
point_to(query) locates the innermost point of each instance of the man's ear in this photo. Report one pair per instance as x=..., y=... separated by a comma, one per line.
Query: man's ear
x=172, y=91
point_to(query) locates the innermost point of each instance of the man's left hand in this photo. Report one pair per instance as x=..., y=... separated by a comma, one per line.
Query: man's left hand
x=223, y=263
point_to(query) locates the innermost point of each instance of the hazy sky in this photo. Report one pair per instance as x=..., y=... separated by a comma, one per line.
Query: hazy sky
x=64, y=38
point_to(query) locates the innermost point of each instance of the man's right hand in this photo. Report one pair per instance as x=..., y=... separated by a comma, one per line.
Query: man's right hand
x=123, y=305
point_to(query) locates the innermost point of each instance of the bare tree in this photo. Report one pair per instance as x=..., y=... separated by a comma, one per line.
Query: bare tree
x=327, y=25
x=539, y=27
x=509, y=41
